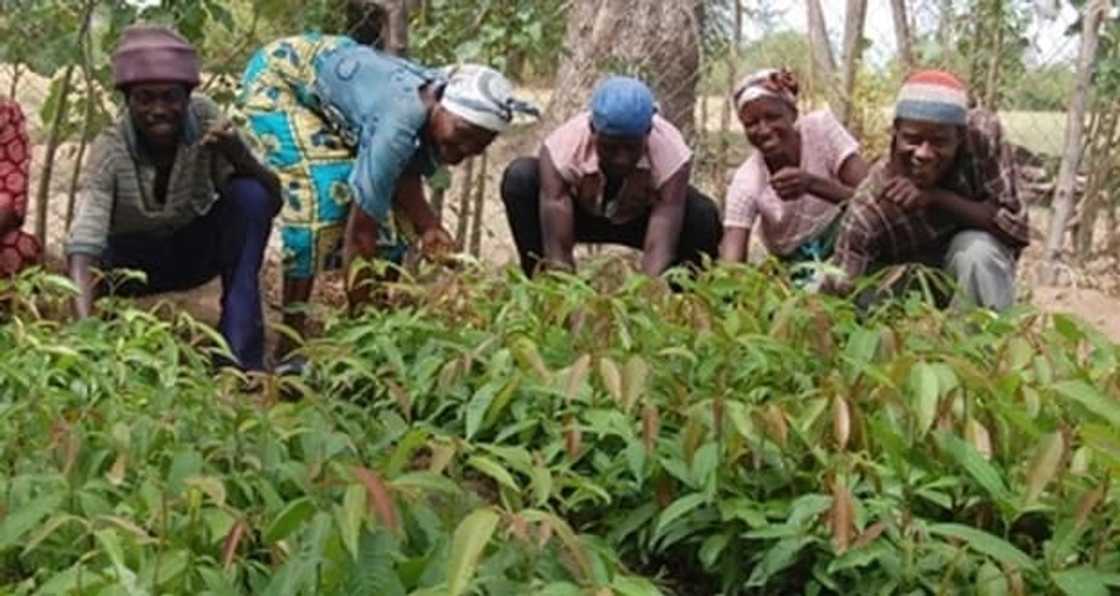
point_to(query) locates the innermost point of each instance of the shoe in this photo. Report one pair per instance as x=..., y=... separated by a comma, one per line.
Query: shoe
x=294, y=365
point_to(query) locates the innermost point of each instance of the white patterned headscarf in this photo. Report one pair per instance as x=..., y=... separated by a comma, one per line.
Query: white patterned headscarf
x=482, y=96
x=778, y=83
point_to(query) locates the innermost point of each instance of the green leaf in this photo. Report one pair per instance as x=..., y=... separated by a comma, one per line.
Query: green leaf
x=494, y=470
x=541, y=480
x=1083, y=581
x=372, y=573
x=561, y=589
x=426, y=481
x=677, y=509
x=467, y=544
x=777, y=559
x=298, y=574
x=712, y=548
x=478, y=405
x=990, y=581
x=987, y=544
x=626, y=585
x=1091, y=398
x=23, y=519
x=288, y=520
x=1044, y=464
x=983, y=472
x=350, y=516
x=927, y=392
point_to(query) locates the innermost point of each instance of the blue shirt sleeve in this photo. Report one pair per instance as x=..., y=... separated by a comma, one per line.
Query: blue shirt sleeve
x=384, y=153
x=376, y=99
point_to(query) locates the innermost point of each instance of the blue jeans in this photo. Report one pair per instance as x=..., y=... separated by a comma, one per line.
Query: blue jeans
x=229, y=241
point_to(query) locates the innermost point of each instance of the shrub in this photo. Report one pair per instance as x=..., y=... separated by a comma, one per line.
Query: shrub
x=569, y=435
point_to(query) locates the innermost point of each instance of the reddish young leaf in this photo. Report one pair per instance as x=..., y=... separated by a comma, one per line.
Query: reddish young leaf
x=402, y=398
x=841, y=517
x=841, y=421
x=232, y=541
x=651, y=423
x=869, y=535
x=1088, y=503
x=380, y=501
x=573, y=438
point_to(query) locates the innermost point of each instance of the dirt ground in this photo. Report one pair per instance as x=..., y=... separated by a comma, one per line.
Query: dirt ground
x=1091, y=291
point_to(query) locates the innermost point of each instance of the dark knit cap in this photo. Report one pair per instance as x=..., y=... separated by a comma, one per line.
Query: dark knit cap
x=152, y=53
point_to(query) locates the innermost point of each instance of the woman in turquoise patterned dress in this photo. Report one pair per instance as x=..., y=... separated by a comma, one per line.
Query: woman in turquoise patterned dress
x=350, y=131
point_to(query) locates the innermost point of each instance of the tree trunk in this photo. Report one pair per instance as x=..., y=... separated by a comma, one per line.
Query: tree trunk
x=656, y=40
x=54, y=137
x=902, y=35
x=396, y=38
x=945, y=25
x=995, y=60
x=824, y=65
x=1101, y=174
x=479, y=208
x=854, y=19
x=1075, y=128
x=465, y=205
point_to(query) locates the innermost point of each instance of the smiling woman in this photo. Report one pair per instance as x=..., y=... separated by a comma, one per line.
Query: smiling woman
x=803, y=171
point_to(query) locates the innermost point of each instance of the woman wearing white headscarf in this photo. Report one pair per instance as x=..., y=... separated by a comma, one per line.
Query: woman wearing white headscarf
x=350, y=131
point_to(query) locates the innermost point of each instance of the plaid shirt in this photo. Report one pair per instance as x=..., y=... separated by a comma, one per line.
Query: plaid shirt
x=874, y=231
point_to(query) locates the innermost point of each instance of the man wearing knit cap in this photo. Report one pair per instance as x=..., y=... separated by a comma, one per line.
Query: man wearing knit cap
x=945, y=196
x=619, y=174
x=171, y=190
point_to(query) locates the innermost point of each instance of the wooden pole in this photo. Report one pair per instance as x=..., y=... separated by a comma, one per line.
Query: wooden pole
x=854, y=20
x=1075, y=128
x=823, y=64
x=902, y=35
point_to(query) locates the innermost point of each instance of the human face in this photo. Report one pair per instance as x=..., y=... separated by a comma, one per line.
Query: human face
x=157, y=110
x=618, y=156
x=925, y=150
x=456, y=139
x=769, y=124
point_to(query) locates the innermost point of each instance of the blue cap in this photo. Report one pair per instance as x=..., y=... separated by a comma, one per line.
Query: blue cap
x=622, y=107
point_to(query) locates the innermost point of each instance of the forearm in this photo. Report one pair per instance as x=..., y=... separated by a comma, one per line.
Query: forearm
x=558, y=232
x=409, y=199
x=247, y=166
x=973, y=214
x=830, y=190
x=657, y=257
x=733, y=248
x=662, y=236
x=81, y=273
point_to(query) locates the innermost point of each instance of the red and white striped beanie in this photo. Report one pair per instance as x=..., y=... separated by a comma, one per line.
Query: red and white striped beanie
x=933, y=96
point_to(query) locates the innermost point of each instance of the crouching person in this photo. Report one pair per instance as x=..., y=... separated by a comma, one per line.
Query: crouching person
x=945, y=196
x=18, y=249
x=172, y=190
x=617, y=174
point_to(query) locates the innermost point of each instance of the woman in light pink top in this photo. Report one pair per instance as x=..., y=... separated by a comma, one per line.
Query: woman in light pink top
x=803, y=171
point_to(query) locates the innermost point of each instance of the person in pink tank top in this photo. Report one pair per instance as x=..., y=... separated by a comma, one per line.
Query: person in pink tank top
x=617, y=174
x=796, y=183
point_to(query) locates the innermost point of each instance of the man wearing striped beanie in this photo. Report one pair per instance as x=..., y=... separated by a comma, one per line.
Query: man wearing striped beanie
x=944, y=197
